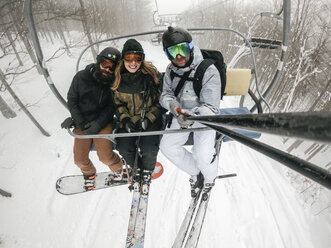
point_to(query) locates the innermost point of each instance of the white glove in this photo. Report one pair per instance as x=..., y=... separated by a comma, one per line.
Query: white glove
x=174, y=105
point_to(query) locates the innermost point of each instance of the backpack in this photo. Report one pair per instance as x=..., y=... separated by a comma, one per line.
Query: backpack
x=210, y=57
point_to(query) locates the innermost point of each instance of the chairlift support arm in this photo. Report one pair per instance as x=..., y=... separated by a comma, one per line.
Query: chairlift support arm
x=39, y=53
x=282, y=61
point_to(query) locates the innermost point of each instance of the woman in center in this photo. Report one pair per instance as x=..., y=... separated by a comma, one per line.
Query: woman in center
x=137, y=92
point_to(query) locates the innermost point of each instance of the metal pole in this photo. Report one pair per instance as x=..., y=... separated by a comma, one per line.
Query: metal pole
x=113, y=136
x=305, y=168
x=305, y=125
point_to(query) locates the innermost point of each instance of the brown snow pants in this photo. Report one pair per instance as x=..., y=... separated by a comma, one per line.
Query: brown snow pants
x=104, y=149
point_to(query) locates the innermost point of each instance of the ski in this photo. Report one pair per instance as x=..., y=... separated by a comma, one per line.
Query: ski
x=74, y=184
x=137, y=222
x=133, y=214
x=194, y=235
x=184, y=228
x=191, y=226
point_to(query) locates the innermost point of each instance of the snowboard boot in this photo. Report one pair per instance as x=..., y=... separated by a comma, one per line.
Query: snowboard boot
x=89, y=182
x=196, y=183
x=123, y=174
x=146, y=181
x=114, y=176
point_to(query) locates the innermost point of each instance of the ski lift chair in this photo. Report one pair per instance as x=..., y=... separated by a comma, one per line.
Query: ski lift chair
x=238, y=82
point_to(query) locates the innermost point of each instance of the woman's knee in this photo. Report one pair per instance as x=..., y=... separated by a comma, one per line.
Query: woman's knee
x=164, y=147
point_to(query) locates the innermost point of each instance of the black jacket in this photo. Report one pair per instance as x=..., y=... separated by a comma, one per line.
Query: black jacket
x=90, y=99
x=134, y=90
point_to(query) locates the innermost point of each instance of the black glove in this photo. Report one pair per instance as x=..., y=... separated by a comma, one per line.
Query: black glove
x=92, y=127
x=68, y=123
x=129, y=126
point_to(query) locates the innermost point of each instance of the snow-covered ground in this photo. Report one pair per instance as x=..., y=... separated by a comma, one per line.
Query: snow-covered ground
x=257, y=209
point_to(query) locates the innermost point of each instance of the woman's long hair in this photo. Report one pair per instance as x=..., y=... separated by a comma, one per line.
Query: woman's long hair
x=146, y=67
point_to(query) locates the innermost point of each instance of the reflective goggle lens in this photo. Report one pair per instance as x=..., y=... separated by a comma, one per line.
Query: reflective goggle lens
x=182, y=49
x=133, y=57
x=107, y=64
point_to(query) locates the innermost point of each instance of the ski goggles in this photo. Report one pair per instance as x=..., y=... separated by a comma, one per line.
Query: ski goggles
x=130, y=57
x=183, y=49
x=108, y=64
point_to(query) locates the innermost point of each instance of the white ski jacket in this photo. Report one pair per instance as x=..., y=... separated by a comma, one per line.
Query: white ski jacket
x=210, y=95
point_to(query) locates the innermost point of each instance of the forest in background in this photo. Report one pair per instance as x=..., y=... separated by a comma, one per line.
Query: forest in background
x=305, y=84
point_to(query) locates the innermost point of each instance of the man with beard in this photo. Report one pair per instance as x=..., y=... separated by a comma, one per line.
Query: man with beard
x=90, y=103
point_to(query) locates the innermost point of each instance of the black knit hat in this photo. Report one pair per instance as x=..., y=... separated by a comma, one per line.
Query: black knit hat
x=132, y=46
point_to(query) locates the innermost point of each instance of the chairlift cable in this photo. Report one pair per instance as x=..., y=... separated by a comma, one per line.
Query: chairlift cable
x=157, y=6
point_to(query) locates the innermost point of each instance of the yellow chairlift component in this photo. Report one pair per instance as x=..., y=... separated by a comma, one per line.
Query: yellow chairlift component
x=237, y=82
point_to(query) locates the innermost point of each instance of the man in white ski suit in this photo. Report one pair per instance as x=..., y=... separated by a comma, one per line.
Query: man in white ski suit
x=200, y=159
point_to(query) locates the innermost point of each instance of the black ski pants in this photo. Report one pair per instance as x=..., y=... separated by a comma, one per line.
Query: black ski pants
x=149, y=147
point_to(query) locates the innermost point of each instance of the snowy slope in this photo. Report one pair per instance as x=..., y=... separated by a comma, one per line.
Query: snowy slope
x=258, y=208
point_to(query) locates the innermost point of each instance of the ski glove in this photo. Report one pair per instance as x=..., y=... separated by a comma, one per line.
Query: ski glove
x=129, y=125
x=184, y=122
x=174, y=105
x=68, y=123
x=92, y=127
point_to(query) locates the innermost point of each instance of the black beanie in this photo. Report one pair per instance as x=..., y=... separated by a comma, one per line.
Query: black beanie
x=132, y=46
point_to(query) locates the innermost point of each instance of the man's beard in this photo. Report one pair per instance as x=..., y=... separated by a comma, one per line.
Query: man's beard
x=104, y=76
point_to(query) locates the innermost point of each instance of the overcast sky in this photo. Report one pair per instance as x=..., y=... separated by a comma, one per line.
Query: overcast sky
x=171, y=6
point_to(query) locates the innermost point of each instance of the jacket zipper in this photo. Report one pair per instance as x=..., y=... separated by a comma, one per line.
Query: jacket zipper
x=134, y=104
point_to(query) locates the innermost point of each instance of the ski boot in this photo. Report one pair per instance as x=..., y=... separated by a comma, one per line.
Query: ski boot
x=146, y=181
x=136, y=178
x=206, y=189
x=89, y=182
x=196, y=183
x=127, y=171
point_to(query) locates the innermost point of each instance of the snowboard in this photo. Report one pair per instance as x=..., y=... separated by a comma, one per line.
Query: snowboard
x=74, y=184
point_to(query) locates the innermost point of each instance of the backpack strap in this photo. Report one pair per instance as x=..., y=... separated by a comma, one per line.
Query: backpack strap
x=173, y=75
x=178, y=87
x=181, y=82
x=199, y=73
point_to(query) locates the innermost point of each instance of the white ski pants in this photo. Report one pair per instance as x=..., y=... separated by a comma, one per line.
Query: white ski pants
x=199, y=159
